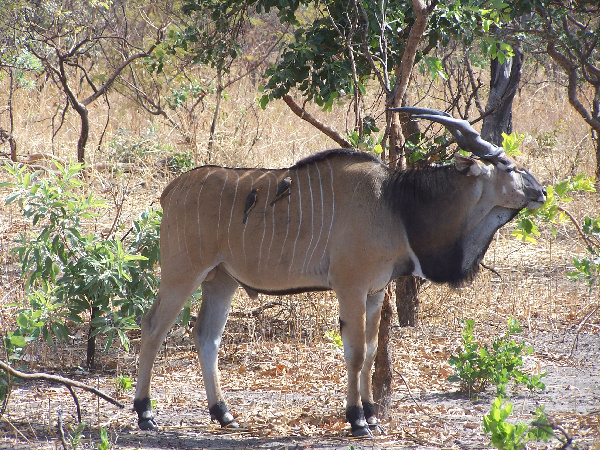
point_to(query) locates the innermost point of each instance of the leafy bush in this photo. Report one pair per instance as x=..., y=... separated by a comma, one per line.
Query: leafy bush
x=508, y=436
x=71, y=275
x=335, y=338
x=588, y=268
x=479, y=366
x=123, y=384
x=553, y=211
x=129, y=147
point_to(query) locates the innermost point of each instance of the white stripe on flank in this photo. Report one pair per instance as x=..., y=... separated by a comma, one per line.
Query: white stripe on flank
x=312, y=219
x=176, y=201
x=287, y=226
x=199, y=209
x=299, y=223
x=246, y=224
x=165, y=219
x=237, y=183
x=322, y=214
x=273, y=217
x=221, y=202
x=332, y=210
x=266, y=195
x=373, y=169
x=185, y=209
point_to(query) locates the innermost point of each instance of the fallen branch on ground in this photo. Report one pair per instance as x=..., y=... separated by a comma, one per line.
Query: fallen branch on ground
x=62, y=380
x=254, y=312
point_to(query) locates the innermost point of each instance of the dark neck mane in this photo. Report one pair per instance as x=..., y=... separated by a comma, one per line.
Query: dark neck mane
x=430, y=206
x=410, y=190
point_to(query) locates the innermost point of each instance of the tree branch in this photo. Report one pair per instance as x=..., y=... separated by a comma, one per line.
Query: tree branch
x=410, y=51
x=330, y=132
x=255, y=312
x=571, y=70
x=120, y=68
x=58, y=379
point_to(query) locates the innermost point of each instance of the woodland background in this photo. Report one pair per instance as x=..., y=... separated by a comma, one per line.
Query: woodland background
x=142, y=91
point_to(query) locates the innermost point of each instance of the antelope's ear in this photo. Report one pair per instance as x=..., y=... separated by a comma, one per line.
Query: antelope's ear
x=467, y=166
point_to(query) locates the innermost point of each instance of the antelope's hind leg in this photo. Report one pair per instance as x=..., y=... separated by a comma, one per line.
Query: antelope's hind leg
x=373, y=316
x=217, y=294
x=172, y=295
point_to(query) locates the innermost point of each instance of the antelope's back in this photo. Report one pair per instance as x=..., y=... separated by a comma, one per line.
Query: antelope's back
x=204, y=211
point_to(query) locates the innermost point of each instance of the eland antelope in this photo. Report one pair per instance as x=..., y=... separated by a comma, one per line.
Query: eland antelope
x=342, y=221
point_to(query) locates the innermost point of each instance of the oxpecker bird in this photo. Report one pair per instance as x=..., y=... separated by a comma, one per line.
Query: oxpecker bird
x=250, y=202
x=283, y=189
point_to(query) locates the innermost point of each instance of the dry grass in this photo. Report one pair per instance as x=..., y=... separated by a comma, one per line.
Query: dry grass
x=280, y=373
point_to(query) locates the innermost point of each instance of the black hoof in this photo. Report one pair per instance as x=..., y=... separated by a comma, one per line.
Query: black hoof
x=147, y=424
x=231, y=425
x=220, y=413
x=362, y=432
x=376, y=429
x=145, y=415
x=360, y=427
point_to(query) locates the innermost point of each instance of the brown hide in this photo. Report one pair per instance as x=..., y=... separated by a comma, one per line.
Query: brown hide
x=333, y=211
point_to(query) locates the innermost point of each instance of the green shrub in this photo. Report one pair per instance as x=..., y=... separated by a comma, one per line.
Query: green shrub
x=508, y=436
x=477, y=366
x=71, y=275
x=123, y=384
x=146, y=148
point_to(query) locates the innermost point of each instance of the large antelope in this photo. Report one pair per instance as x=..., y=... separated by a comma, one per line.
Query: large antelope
x=337, y=220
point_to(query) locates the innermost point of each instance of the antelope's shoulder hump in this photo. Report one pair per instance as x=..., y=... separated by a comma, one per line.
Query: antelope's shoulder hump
x=350, y=156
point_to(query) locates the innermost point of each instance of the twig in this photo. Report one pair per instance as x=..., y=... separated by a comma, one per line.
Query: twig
x=61, y=431
x=76, y=400
x=303, y=114
x=15, y=428
x=418, y=405
x=579, y=328
x=589, y=242
x=255, y=311
x=491, y=270
x=568, y=439
x=59, y=379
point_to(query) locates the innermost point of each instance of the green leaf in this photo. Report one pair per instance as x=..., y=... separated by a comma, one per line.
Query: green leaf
x=18, y=341
x=264, y=100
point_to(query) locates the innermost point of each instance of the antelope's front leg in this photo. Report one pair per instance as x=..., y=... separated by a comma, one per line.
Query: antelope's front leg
x=352, y=329
x=374, y=303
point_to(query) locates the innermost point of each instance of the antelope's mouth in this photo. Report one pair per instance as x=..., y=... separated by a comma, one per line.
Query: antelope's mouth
x=536, y=204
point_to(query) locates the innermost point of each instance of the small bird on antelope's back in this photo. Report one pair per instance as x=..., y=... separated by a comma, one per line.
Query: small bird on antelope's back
x=250, y=203
x=283, y=189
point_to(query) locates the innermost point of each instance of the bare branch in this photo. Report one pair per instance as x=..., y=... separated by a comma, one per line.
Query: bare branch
x=120, y=68
x=255, y=312
x=571, y=70
x=58, y=379
x=301, y=112
x=410, y=51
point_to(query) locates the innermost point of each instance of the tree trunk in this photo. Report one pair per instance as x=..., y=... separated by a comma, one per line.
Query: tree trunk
x=382, y=386
x=382, y=377
x=83, y=136
x=504, y=82
x=91, y=343
x=597, y=138
x=11, y=137
x=407, y=300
